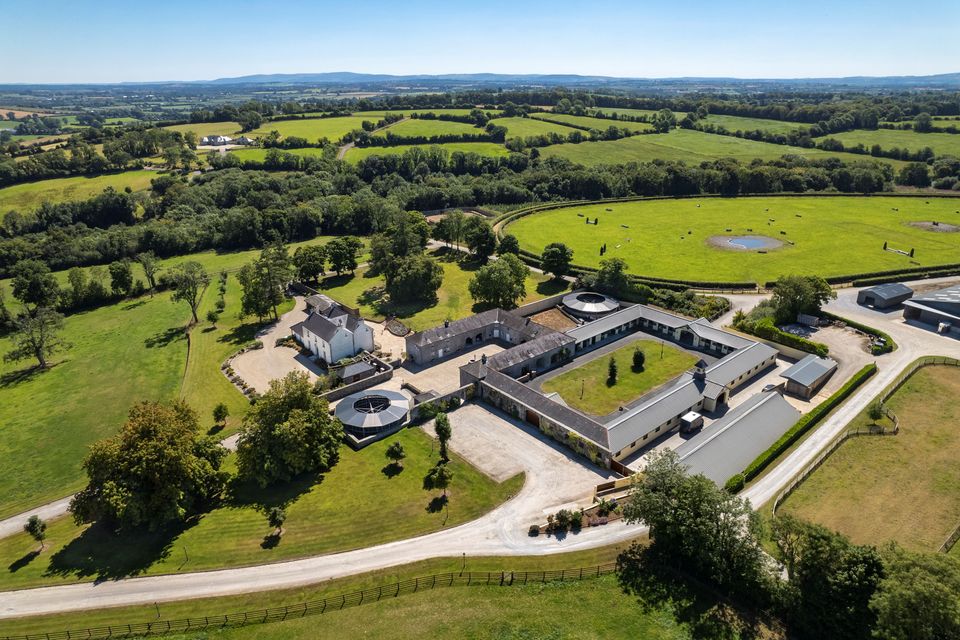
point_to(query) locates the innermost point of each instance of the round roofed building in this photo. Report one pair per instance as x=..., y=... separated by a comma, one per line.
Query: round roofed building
x=589, y=305
x=372, y=411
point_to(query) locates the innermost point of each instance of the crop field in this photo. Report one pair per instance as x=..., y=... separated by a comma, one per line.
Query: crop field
x=202, y=129
x=453, y=298
x=827, y=235
x=902, y=488
x=686, y=145
x=941, y=143
x=29, y=195
x=491, y=149
x=594, y=123
x=526, y=127
x=740, y=123
x=312, y=129
x=415, y=128
x=9, y=124
x=661, y=366
x=325, y=513
x=260, y=155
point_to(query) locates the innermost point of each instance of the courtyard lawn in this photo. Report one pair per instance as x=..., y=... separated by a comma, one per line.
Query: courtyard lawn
x=690, y=146
x=941, y=143
x=598, y=398
x=313, y=129
x=832, y=235
x=355, y=505
x=740, y=123
x=527, y=127
x=453, y=299
x=492, y=149
x=202, y=129
x=415, y=128
x=29, y=195
x=901, y=488
x=600, y=124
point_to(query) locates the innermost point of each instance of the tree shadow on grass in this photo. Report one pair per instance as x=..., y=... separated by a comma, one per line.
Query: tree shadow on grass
x=134, y=304
x=437, y=504
x=270, y=541
x=20, y=563
x=246, y=493
x=391, y=470
x=101, y=553
x=13, y=378
x=552, y=287
x=336, y=281
x=165, y=338
x=241, y=334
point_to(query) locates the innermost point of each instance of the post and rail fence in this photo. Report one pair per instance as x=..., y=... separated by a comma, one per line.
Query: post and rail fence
x=325, y=605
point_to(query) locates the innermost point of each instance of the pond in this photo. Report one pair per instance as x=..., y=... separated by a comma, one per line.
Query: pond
x=754, y=242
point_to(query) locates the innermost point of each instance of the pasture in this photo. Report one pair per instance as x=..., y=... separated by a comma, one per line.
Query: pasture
x=902, y=488
x=586, y=388
x=492, y=149
x=687, y=146
x=379, y=114
x=740, y=123
x=29, y=195
x=941, y=143
x=313, y=129
x=526, y=127
x=415, y=128
x=627, y=112
x=325, y=513
x=830, y=235
x=202, y=129
x=600, y=124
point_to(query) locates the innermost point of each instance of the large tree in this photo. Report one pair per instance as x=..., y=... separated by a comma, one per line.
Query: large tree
x=309, y=262
x=480, y=238
x=918, y=598
x=158, y=469
x=793, y=295
x=190, y=280
x=612, y=276
x=414, y=278
x=556, y=259
x=37, y=335
x=342, y=253
x=148, y=261
x=121, y=278
x=34, y=285
x=288, y=431
x=264, y=281
x=501, y=283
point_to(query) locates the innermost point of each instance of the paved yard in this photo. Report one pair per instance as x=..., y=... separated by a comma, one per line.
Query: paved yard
x=443, y=376
x=387, y=342
x=849, y=348
x=502, y=447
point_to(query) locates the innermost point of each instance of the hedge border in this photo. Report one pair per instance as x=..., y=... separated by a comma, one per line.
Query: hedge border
x=504, y=220
x=776, y=334
x=889, y=343
x=802, y=426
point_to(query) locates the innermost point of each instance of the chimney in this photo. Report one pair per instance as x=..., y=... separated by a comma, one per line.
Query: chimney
x=483, y=359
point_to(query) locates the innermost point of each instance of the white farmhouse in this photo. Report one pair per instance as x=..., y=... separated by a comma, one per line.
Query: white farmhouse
x=331, y=331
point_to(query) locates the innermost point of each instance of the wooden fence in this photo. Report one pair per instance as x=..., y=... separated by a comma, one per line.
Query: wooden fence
x=318, y=607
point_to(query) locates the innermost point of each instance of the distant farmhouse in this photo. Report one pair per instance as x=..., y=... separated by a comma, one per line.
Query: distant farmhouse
x=332, y=331
x=216, y=141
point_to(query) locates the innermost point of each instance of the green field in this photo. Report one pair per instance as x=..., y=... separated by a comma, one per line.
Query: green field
x=526, y=127
x=259, y=155
x=312, y=129
x=355, y=505
x=407, y=112
x=941, y=143
x=202, y=129
x=629, y=112
x=415, y=128
x=833, y=236
x=902, y=488
x=355, y=154
x=453, y=298
x=686, y=145
x=29, y=195
x=600, y=124
x=598, y=398
x=740, y=123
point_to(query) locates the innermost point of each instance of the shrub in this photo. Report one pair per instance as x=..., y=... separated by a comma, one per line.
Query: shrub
x=534, y=531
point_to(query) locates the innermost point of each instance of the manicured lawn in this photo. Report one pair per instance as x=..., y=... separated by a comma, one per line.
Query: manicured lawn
x=355, y=505
x=526, y=127
x=121, y=354
x=261, y=154
x=453, y=298
x=832, y=236
x=740, y=123
x=902, y=488
x=415, y=128
x=202, y=129
x=941, y=143
x=483, y=148
x=594, y=123
x=313, y=129
x=598, y=398
x=689, y=146
x=29, y=195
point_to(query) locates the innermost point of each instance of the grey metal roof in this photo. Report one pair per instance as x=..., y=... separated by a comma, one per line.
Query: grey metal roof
x=727, y=446
x=945, y=315
x=950, y=295
x=889, y=290
x=355, y=368
x=590, y=302
x=622, y=317
x=643, y=419
x=529, y=350
x=351, y=413
x=707, y=331
x=810, y=369
x=559, y=413
x=478, y=322
x=733, y=365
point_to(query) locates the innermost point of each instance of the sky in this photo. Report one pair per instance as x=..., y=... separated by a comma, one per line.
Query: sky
x=104, y=41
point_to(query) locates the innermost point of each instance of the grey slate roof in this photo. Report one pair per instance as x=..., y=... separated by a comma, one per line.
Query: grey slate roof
x=320, y=326
x=739, y=437
x=618, y=318
x=707, y=331
x=810, y=369
x=356, y=368
x=641, y=420
x=889, y=290
x=476, y=323
x=733, y=365
x=529, y=350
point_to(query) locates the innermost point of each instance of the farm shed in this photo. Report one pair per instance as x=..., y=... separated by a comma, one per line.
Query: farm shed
x=939, y=308
x=885, y=296
x=806, y=377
